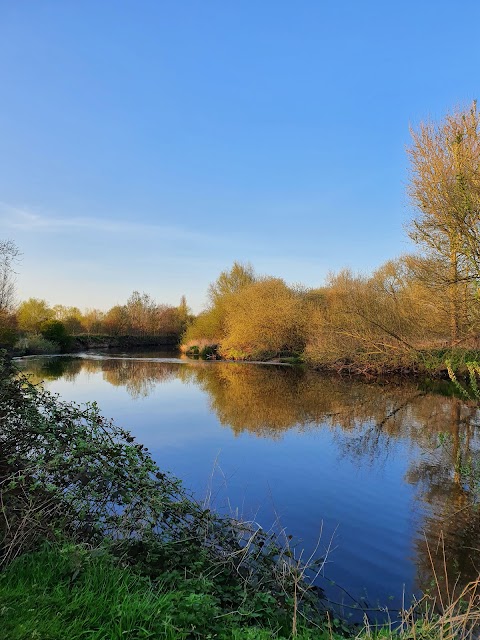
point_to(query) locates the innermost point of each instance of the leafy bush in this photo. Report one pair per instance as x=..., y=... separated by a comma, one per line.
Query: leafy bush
x=209, y=351
x=8, y=328
x=68, y=591
x=55, y=331
x=36, y=344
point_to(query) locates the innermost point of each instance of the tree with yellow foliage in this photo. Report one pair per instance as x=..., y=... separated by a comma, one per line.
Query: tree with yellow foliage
x=444, y=188
x=263, y=319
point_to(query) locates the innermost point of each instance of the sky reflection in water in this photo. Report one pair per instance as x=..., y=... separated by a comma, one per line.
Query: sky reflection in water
x=382, y=467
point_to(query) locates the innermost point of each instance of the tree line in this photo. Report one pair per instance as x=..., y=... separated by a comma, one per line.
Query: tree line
x=399, y=315
x=408, y=309
x=33, y=321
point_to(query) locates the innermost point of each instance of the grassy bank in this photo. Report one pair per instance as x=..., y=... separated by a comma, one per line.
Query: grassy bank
x=97, y=542
x=70, y=591
x=70, y=475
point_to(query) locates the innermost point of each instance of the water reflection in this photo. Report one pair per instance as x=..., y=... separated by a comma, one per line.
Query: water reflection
x=439, y=434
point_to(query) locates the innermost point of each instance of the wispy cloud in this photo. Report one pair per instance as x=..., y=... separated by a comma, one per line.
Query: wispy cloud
x=23, y=219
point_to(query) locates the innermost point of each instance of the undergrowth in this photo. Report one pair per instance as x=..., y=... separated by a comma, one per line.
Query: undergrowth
x=70, y=592
x=66, y=471
x=96, y=542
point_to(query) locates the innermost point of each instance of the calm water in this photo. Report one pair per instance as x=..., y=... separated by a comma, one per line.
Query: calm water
x=378, y=469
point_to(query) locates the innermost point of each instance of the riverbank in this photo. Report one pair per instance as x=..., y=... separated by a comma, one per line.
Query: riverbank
x=74, y=481
x=433, y=363
x=83, y=342
x=232, y=569
x=37, y=345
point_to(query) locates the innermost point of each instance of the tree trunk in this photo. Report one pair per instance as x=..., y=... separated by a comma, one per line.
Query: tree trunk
x=454, y=302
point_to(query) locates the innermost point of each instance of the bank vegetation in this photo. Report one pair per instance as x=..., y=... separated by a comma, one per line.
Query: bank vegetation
x=413, y=313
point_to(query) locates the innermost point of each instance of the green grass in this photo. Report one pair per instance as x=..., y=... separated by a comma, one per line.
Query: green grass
x=59, y=594
x=70, y=593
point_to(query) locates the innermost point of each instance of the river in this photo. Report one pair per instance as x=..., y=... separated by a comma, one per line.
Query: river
x=383, y=477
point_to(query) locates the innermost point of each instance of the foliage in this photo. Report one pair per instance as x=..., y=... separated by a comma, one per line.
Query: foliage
x=69, y=591
x=445, y=190
x=55, y=331
x=184, y=315
x=32, y=313
x=8, y=329
x=71, y=318
x=231, y=282
x=444, y=186
x=470, y=391
x=210, y=324
x=140, y=316
x=72, y=591
x=207, y=326
x=66, y=470
x=93, y=320
x=35, y=343
x=93, y=596
x=398, y=317
x=264, y=319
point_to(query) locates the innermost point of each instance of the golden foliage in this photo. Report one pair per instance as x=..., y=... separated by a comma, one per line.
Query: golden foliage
x=262, y=320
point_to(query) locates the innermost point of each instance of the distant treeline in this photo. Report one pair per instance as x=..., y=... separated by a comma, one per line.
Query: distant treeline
x=34, y=326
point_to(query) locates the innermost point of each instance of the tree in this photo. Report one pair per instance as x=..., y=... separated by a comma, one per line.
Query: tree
x=141, y=310
x=232, y=281
x=93, y=321
x=264, y=319
x=184, y=314
x=116, y=321
x=32, y=314
x=210, y=324
x=70, y=316
x=9, y=255
x=444, y=188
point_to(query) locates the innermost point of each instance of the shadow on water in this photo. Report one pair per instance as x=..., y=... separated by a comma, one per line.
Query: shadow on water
x=439, y=432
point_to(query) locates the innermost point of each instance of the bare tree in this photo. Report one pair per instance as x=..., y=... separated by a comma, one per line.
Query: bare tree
x=9, y=255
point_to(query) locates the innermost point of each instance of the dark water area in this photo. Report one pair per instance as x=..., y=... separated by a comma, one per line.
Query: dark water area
x=387, y=474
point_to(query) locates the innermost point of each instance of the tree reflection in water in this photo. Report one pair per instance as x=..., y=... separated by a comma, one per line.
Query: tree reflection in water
x=365, y=418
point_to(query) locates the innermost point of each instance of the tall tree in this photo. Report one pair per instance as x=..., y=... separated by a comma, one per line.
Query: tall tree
x=239, y=276
x=444, y=188
x=9, y=254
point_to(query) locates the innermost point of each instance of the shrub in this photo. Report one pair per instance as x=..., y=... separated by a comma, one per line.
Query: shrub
x=209, y=351
x=8, y=328
x=55, y=331
x=36, y=344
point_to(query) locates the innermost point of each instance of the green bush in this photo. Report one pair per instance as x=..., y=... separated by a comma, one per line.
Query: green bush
x=8, y=329
x=67, y=591
x=209, y=351
x=36, y=344
x=55, y=331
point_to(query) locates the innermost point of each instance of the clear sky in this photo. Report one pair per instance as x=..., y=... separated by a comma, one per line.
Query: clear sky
x=147, y=144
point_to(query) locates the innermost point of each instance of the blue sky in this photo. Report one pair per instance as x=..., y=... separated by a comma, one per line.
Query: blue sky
x=149, y=144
